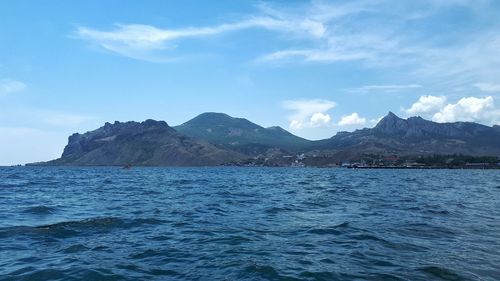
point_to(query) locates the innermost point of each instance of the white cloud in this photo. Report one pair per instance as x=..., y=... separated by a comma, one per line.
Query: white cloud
x=9, y=86
x=370, y=33
x=312, y=56
x=300, y=21
x=296, y=125
x=352, y=119
x=369, y=43
x=426, y=104
x=309, y=113
x=470, y=109
x=319, y=119
x=140, y=41
x=487, y=87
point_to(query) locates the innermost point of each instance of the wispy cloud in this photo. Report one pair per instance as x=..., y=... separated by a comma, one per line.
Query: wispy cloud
x=309, y=113
x=390, y=87
x=393, y=88
x=313, y=56
x=142, y=41
x=379, y=34
x=372, y=42
x=488, y=87
x=9, y=86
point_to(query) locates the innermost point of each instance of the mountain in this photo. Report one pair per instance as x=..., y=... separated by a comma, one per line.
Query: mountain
x=417, y=136
x=215, y=139
x=149, y=143
x=240, y=134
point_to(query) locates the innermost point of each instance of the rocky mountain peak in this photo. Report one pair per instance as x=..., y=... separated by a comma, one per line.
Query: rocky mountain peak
x=214, y=119
x=391, y=124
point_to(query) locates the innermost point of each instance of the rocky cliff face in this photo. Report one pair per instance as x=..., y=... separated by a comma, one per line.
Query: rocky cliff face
x=149, y=143
x=417, y=128
x=394, y=135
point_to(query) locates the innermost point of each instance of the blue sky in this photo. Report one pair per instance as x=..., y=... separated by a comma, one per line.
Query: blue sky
x=314, y=68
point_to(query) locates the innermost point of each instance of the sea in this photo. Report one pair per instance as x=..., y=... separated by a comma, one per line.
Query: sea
x=240, y=223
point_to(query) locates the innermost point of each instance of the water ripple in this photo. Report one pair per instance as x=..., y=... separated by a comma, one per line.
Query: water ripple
x=248, y=224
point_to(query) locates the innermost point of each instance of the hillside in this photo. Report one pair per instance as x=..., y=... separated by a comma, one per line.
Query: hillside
x=417, y=136
x=149, y=143
x=240, y=134
x=215, y=139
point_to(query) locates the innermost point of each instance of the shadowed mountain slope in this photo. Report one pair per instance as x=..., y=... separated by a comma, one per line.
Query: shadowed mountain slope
x=149, y=143
x=415, y=135
x=240, y=134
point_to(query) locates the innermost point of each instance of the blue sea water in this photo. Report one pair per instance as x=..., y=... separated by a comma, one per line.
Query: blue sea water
x=248, y=224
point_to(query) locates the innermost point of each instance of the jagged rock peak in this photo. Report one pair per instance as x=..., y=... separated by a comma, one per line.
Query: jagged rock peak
x=391, y=115
x=416, y=118
x=389, y=118
x=151, y=122
x=391, y=123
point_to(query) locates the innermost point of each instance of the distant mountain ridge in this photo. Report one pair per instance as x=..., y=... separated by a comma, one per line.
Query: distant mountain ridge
x=216, y=138
x=417, y=136
x=239, y=134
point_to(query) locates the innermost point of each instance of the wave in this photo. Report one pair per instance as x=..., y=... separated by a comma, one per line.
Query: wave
x=335, y=230
x=73, y=228
x=30, y=273
x=15, y=183
x=264, y=271
x=442, y=273
x=40, y=210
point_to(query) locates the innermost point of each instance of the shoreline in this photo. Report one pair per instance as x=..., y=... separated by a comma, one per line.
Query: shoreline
x=263, y=166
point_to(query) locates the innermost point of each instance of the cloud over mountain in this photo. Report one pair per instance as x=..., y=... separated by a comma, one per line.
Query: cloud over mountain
x=309, y=113
x=352, y=119
x=472, y=109
x=426, y=104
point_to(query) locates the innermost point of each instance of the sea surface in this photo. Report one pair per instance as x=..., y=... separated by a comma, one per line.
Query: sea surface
x=248, y=224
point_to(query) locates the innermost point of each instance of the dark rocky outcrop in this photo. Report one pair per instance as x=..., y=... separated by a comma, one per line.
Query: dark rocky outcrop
x=149, y=143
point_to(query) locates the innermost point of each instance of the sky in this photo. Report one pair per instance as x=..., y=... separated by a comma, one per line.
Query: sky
x=312, y=67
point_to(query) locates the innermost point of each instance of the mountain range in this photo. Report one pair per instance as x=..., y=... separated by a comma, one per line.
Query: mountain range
x=417, y=136
x=217, y=139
